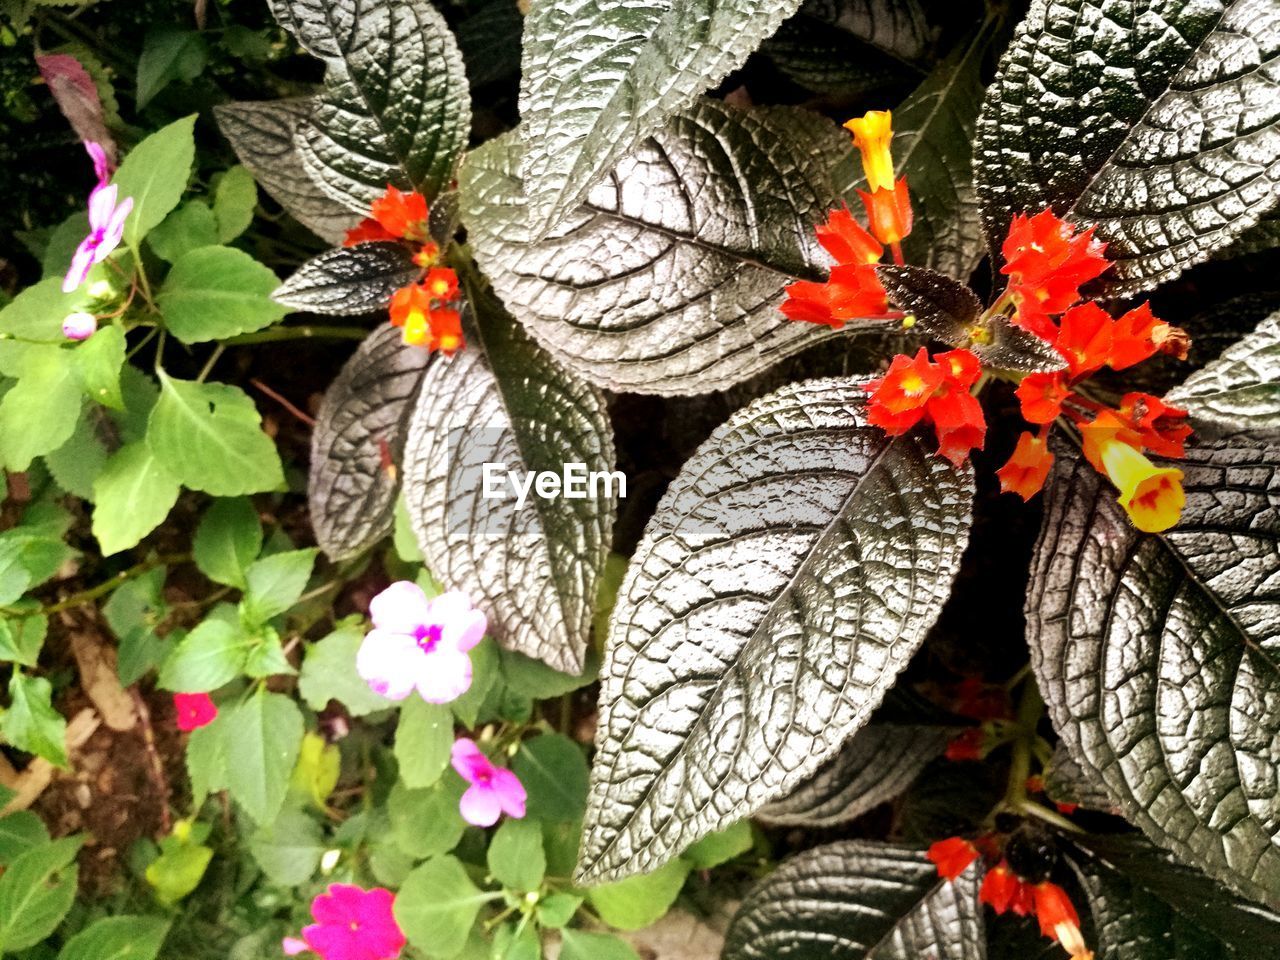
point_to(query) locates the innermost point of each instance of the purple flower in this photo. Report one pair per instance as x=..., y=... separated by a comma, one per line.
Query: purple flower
x=493, y=791
x=101, y=164
x=106, y=228
x=79, y=325
x=420, y=643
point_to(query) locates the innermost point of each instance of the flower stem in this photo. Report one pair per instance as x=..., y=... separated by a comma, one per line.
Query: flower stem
x=93, y=593
x=298, y=333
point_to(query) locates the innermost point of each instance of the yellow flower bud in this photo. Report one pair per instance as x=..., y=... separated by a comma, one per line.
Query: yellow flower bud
x=872, y=133
x=1151, y=495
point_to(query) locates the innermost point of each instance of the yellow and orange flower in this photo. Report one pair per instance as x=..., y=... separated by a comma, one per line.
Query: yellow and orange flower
x=1152, y=496
x=1028, y=467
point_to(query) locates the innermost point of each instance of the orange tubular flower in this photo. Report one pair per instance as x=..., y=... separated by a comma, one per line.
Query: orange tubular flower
x=427, y=255
x=889, y=212
x=908, y=384
x=1028, y=468
x=915, y=388
x=957, y=414
x=1161, y=428
x=1084, y=339
x=872, y=134
x=441, y=283
x=365, y=231
x=843, y=238
x=410, y=304
x=1151, y=495
x=1059, y=920
x=952, y=856
x=1001, y=888
x=401, y=214
x=1041, y=396
x=1047, y=262
x=853, y=290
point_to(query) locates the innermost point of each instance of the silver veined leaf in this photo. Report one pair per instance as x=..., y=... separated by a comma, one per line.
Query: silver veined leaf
x=1240, y=389
x=1158, y=123
x=395, y=109
x=601, y=76
x=860, y=900
x=349, y=281
x=532, y=566
x=358, y=440
x=789, y=573
x=1157, y=655
x=668, y=278
x=262, y=134
x=879, y=763
x=1065, y=781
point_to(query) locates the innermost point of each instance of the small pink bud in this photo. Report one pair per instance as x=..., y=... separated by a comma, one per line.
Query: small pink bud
x=79, y=325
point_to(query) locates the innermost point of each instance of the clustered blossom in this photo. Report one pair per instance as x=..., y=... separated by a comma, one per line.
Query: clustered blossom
x=350, y=924
x=420, y=644
x=935, y=391
x=420, y=309
x=1003, y=890
x=493, y=791
x=106, y=223
x=194, y=710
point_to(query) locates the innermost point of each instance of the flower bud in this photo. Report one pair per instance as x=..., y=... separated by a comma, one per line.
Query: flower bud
x=79, y=325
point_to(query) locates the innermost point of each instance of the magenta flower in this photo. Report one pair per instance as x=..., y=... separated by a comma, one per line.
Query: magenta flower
x=101, y=163
x=493, y=791
x=351, y=924
x=416, y=642
x=106, y=229
x=79, y=325
x=194, y=710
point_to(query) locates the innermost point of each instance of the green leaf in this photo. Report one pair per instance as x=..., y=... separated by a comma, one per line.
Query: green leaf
x=37, y=312
x=642, y=900
x=210, y=655
x=485, y=672
x=424, y=737
x=721, y=846
x=207, y=758
x=30, y=723
x=395, y=109
x=209, y=436
x=733, y=625
x=234, y=201
x=350, y=281
x=266, y=731
x=535, y=679
x=360, y=427
x=39, y=413
x=133, y=612
x=426, y=823
x=274, y=584
x=532, y=566
x=227, y=540
x=554, y=773
x=182, y=863
x=1156, y=654
x=98, y=361
x=329, y=673
x=266, y=656
x=858, y=899
x=76, y=464
x=21, y=638
x=516, y=859
x=682, y=294
x=131, y=497
x=28, y=557
x=20, y=832
x=580, y=945
x=169, y=55
x=36, y=891
x=289, y=850
x=217, y=292
x=118, y=938
x=1240, y=389
x=437, y=905
x=155, y=175
x=318, y=769
x=600, y=77
x=1155, y=125
x=557, y=909
x=188, y=228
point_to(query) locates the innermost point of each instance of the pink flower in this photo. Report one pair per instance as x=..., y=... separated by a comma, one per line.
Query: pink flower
x=101, y=163
x=79, y=325
x=416, y=642
x=106, y=229
x=351, y=924
x=195, y=710
x=493, y=791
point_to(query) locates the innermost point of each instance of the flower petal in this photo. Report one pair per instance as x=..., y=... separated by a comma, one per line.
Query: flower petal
x=401, y=608
x=445, y=676
x=510, y=792
x=113, y=232
x=465, y=631
x=389, y=663
x=468, y=760
x=480, y=806
x=102, y=204
x=81, y=264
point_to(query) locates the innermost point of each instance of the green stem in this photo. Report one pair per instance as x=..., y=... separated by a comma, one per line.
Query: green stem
x=93, y=593
x=1033, y=809
x=1030, y=708
x=298, y=333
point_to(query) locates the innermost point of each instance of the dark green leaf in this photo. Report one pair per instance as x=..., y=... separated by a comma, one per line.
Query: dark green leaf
x=30, y=723
x=516, y=859
x=1156, y=123
x=227, y=539
x=20, y=832
x=349, y=281
x=789, y=573
x=212, y=654
x=1156, y=654
x=188, y=228
x=856, y=900
x=274, y=584
x=290, y=849
x=169, y=55
x=554, y=773
x=1241, y=389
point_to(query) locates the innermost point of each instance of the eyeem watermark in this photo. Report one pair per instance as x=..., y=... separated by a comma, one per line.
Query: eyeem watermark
x=574, y=482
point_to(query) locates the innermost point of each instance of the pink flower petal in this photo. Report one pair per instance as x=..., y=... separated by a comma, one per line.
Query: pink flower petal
x=400, y=608
x=465, y=631
x=389, y=663
x=81, y=264
x=101, y=165
x=480, y=806
x=468, y=761
x=510, y=793
x=113, y=232
x=102, y=204
x=292, y=946
x=445, y=676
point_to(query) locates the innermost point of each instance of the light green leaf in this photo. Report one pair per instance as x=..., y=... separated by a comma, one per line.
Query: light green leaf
x=289, y=850
x=20, y=832
x=720, y=847
x=76, y=464
x=212, y=654
x=209, y=436
x=22, y=637
x=228, y=538
x=118, y=938
x=329, y=673
x=98, y=361
x=36, y=891
x=580, y=945
x=155, y=175
x=640, y=900
x=424, y=737
x=554, y=773
x=217, y=292
x=40, y=411
x=234, y=201
x=426, y=823
x=182, y=862
x=437, y=905
x=557, y=909
x=188, y=228
x=266, y=731
x=36, y=313
x=207, y=759
x=274, y=584
x=169, y=55
x=266, y=656
x=131, y=497
x=516, y=857
x=30, y=723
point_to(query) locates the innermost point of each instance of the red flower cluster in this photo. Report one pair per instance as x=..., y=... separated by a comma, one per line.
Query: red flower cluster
x=1047, y=262
x=937, y=391
x=420, y=308
x=1003, y=890
x=853, y=290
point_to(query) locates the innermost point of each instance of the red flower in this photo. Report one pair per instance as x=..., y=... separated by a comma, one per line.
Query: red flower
x=1041, y=396
x=1058, y=919
x=1046, y=262
x=967, y=746
x=852, y=292
x=843, y=238
x=365, y=231
x=957, y=414
x=195, y=710
x=960, y=367
x=1028, y=468
x=889, y=212
x=952, y=856
x=1161, y=428
x=915, y=388
x=409, y=302
x=908, y=384
x=1133, y=337
x=1084, y=338
x=441, y=283
x=401, y=214
x=1003, y=890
